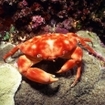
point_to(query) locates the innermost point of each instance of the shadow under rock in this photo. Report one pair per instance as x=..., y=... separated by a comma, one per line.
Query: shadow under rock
x=45, y=89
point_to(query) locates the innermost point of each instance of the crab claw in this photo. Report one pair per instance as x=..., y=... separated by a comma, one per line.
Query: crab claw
x=40, y=76
x=33, y=73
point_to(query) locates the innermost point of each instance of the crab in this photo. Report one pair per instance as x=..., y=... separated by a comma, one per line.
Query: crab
x=51, y=46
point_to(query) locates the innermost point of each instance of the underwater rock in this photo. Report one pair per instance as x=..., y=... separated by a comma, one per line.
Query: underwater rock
x=89, y=91
x=10, y=80
x=4, y=48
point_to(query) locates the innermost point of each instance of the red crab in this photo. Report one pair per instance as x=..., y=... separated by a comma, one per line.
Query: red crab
x=50, y=47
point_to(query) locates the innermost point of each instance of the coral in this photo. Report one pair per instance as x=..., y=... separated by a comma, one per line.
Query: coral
x=10, y=2
x=36, y=21
x=22, y=4
x=71, y=15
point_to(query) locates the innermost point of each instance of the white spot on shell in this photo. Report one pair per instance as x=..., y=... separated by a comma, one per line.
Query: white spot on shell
x=39, y=56
x=33, y=47
x=57, y=34
x=65, y=35
x=66, y=41
x=50, y=43
x=39, y=36
x=30, y=40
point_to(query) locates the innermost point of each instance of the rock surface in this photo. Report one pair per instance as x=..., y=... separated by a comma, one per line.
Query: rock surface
x=89, y=91
x=10, y=80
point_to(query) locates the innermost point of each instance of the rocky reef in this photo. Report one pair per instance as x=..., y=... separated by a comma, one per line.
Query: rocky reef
x=90, y=90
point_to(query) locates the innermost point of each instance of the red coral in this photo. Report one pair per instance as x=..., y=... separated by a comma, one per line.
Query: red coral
x=35, y=22
x=22, y=4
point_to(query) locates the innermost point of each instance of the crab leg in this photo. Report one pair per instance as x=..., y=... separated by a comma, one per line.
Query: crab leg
x=33, y=73
x=75, y=59
x=10, y=53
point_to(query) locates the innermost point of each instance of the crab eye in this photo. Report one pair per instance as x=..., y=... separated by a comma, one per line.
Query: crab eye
x=79, y=43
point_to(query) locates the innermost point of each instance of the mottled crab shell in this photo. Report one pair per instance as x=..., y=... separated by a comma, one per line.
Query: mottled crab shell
x=48, y=46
